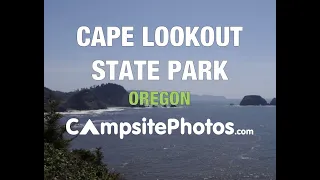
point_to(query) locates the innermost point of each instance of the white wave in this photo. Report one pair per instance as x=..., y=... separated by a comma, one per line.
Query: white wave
x=101, y=121
x=111, y=109
x=254, y=147
x=138, y=108
x=96, y=123
x=148, y=107
x=124, y=164
x=170, y=146
x=78, y=126
x=242, y=156
x=99, y=111
x=115, y=109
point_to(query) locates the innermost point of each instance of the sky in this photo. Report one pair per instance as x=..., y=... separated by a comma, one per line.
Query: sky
x=251, y=67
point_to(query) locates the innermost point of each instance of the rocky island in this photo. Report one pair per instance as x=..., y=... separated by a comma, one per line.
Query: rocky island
x=273, y=102
x=253, y=100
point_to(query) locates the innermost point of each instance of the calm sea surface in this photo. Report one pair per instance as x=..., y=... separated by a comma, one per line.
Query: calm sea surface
x=189, y=157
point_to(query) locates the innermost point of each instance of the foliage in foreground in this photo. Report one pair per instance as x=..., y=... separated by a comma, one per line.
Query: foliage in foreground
x=60, y=163
x=75, y=165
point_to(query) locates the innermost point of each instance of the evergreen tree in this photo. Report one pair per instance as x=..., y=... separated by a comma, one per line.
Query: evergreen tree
x=60, y=163
x=53, y=130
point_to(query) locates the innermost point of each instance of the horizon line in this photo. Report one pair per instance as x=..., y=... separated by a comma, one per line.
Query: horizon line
x=198, y=94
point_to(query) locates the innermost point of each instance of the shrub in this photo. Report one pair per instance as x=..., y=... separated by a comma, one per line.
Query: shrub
x=60, y=163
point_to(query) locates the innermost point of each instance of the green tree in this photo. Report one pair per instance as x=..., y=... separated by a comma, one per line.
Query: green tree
x=60, y=163
x=53, y=130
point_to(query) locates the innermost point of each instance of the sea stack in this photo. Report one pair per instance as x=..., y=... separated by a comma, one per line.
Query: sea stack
x=253, y=100
x=273, y=102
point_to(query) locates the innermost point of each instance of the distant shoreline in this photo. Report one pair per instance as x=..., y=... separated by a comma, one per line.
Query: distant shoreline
x=112, y=95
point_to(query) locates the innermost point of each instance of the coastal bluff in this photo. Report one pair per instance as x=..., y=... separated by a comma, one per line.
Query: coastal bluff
x=93, y=98
x=253, y=100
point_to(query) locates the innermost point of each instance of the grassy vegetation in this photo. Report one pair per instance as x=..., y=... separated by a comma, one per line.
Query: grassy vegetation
x=61, y=163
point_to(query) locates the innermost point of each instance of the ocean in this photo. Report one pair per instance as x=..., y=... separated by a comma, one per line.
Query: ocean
x=188, y=157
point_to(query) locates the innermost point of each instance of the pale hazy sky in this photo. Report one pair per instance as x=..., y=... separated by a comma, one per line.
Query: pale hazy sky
x=251, y=67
